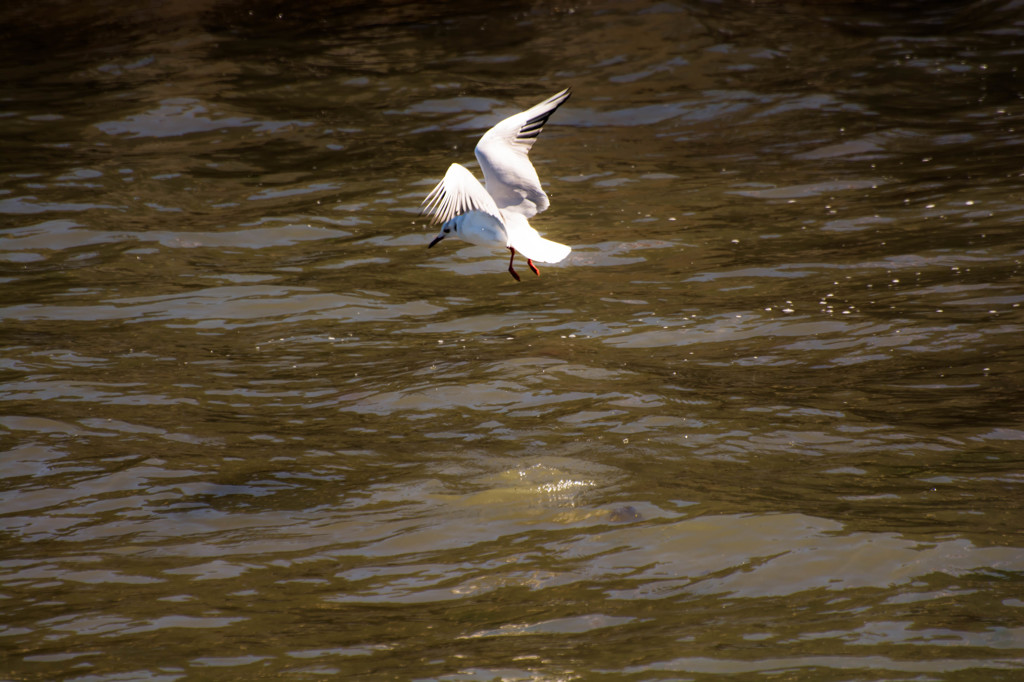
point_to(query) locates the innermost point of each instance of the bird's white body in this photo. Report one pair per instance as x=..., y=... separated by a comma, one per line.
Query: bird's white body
x=498, y=215
x=513, y=230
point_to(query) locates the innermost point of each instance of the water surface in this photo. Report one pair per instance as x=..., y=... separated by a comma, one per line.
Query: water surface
x=765, y=421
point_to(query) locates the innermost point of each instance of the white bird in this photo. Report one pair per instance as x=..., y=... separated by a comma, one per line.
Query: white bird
x=498, y=215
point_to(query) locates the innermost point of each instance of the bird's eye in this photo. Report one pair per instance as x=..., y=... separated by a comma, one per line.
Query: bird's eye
x=447, y=230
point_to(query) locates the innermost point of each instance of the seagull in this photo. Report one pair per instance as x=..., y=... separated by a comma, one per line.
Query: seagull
x=498, y=215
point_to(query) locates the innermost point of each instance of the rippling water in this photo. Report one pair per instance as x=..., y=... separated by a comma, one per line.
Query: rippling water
x=767, y=419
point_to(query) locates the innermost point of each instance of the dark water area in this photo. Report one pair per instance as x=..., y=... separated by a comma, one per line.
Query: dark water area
x=765, y=422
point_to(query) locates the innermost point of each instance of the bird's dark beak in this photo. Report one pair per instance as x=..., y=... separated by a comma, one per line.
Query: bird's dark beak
x=436, y=240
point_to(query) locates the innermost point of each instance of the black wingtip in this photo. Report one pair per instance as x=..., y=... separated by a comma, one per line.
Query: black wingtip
x=531, y=129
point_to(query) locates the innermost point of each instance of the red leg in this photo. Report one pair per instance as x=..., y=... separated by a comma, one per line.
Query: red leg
x=533, y=267
x=512, y=270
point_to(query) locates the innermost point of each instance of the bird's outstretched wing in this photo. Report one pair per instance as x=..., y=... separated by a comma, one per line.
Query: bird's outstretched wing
x=457, y=193
x=502, y=152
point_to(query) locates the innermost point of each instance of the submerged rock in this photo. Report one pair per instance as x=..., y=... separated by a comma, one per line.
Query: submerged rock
x=624, y=514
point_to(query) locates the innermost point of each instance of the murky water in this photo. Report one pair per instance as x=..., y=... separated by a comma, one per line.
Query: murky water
x=766, y=421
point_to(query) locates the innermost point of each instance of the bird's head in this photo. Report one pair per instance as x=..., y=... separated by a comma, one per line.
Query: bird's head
x=450, y=227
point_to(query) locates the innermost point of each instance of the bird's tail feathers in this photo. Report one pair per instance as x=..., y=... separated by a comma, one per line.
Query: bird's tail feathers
x=537, y=248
